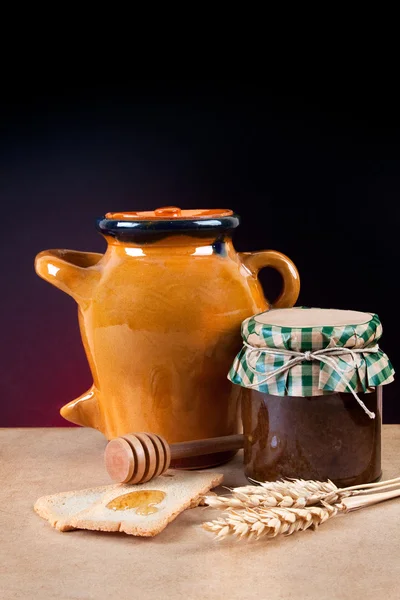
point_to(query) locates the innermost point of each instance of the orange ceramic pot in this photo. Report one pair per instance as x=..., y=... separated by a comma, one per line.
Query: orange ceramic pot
x=160, y=315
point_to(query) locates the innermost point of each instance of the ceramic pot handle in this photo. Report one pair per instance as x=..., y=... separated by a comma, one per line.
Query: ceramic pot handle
x=290, y=275
x=70, y=271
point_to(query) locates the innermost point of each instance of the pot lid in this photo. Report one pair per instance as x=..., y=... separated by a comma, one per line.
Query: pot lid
x=135, y=225
x=168, y=213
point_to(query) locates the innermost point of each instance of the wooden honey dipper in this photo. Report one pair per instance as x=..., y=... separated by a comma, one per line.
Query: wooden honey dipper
x=138, y=457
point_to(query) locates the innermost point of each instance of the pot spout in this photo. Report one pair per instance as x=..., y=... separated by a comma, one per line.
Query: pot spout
x=73, y=272
x=84, y=410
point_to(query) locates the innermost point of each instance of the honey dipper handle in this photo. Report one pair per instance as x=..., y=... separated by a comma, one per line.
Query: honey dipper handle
x=207, y=446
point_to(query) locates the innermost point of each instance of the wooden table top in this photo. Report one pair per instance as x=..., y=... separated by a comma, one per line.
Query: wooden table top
x=352, y=557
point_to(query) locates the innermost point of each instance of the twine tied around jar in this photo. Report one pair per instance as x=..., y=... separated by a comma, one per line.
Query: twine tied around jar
x=325, y=356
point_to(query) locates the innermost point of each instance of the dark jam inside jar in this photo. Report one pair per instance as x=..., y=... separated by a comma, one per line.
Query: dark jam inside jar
x=317, y=437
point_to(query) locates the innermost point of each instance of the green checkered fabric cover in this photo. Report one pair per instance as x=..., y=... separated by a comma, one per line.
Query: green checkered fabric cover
x=362, y=371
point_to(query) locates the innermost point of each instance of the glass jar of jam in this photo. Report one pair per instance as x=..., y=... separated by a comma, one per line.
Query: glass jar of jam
x=312, y=437
x=311, y=395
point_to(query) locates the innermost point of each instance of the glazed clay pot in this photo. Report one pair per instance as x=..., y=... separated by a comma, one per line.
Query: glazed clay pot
x=160, y=315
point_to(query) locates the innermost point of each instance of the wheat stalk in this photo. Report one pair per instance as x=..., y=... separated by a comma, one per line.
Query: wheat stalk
x=251, y=513
x=292, y=493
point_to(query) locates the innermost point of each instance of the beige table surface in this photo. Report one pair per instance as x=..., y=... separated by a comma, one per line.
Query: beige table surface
x=352, y=557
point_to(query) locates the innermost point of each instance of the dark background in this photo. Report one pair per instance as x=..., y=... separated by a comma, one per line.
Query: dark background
x=315, y=175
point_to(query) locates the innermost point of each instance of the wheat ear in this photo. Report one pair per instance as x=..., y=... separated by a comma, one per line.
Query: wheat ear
x=269, y=522
x=296, y=493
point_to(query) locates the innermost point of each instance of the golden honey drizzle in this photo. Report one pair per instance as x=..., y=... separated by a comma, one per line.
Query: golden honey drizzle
x=143, y=501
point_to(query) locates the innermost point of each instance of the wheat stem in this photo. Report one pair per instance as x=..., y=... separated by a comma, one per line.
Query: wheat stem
x=376, y=485
x=357, y=502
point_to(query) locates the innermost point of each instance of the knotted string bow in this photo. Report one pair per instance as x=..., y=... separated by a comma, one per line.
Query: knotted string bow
x=325, y=356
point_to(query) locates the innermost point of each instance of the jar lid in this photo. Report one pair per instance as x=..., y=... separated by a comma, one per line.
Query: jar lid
x=311, y=351
x=302, y=328
x=130, y=226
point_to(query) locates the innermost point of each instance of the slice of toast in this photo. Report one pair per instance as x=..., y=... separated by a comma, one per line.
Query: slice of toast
x=143, y=515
